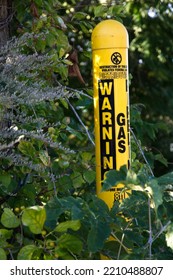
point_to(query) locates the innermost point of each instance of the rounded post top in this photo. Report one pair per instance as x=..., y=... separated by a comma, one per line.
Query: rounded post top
x=109, y=34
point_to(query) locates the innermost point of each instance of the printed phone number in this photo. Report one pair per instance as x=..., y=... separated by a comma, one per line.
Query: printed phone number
x=132, y=270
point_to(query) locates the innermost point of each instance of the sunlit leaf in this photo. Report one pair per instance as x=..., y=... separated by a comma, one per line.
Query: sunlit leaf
x=64, y=226
x=9, y=219
x=169, y=236
x=28, y=252
x=34, y=217
x=156, y=193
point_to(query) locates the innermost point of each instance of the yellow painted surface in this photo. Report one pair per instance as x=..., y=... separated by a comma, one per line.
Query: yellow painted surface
x=111, y=103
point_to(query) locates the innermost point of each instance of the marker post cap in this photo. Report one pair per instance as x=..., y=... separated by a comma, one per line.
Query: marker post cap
x=109, y=34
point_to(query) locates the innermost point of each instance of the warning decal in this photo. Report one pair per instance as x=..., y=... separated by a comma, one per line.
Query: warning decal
x=113, y=72
x=116, y=58
x=107, y=125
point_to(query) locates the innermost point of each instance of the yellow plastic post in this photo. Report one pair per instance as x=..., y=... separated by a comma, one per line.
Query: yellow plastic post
x=111, y=103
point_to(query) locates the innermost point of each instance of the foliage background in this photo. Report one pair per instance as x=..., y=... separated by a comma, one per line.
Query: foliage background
x=47, y=180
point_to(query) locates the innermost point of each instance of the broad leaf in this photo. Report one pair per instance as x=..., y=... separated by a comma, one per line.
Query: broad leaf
x=28, y=252
x=8, y=219
x=64, y=226
x=114, y=177
x=5, y=179
x=98, y=234
x=70, y=243
x=5, y=233
x=166, y=179
x=27, y=148
x=169, y=236
x=156, y=193
x=89, y=176
x=34, y=217
x=2, y=254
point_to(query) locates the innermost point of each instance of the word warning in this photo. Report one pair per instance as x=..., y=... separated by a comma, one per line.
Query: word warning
x=113, y=127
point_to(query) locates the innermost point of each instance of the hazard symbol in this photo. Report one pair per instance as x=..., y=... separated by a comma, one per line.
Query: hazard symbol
x=116, y=58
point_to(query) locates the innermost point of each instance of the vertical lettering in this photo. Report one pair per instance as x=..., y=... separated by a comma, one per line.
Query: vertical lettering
x=105, y=88
x=106, y=104
x=108, y=162
x=106, y=118
x=107, y=133
x=107, y=126
x=107, y=148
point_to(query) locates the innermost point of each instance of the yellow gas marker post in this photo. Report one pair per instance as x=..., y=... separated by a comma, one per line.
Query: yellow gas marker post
x=111, y=103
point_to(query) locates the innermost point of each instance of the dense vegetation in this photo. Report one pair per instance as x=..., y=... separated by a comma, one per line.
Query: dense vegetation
x=49, y=209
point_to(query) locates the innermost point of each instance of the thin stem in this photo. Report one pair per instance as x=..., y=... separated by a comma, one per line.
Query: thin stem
x=53, y=182
x=142, y=152
x=119, y=241
x=81, y=122
x=119, y=250
x=150, y=240
x=163, y=228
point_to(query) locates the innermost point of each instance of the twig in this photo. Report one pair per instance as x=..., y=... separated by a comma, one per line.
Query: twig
x=150, y=240
x=81, y=122
x=119, y=250
x=11, y=144
x=142, y=152
x=119, y=241
x=122, y=238
x=52, y=177
x=161, y=231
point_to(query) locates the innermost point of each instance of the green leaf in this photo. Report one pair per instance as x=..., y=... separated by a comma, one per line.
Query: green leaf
x=5, y=233
x=99, y=228
x=62, y=70
x=77, y=179
x=54, y=208
x=115, y=10
x=62, y=40
x=8, y=219
x=41, y=44
x=2, y=254
x=50, y=39
x=100, y=231
x=86, y=156
x=89, y=176
x=27, y=148
x=64, y=102
x=70, y=243
x=61, y=52
x=44, y=157
x=162, y=159
x=61, y=22
x=156, y=193
x=5, y=179
x=79, y=15
x=27, y=252
x=99, y=11
x=64, y=226
x=166, y=179
x=74, y=132
x=84, y=27
x=38, y=2
x=34, y=217
x=114, y=177
x=169, y=236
